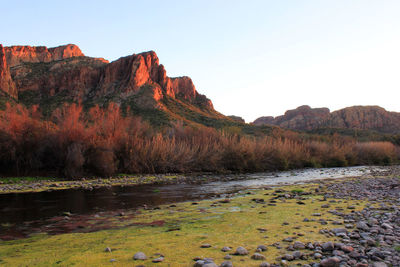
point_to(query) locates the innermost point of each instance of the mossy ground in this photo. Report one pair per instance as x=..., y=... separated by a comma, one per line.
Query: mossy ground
x=186, y=227
x=39, y=184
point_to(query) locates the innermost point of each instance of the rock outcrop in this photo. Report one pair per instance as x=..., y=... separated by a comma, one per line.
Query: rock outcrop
x=64, y=73
x=366, y=118
x=7, y=85
x=237, y=118
x=301, y=118
x=18, y=54
x=356, y=117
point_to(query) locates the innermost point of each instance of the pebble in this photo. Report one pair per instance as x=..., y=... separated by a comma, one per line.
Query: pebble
x=262, y=248
x=241, y=251
x=258, y=256
x=159, y=259
x=299, y=245
x=226, y=264
x=330, y=262
x=140, y=256
x=327, y=246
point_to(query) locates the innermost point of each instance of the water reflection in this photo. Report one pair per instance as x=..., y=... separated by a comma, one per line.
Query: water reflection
x=24, y=207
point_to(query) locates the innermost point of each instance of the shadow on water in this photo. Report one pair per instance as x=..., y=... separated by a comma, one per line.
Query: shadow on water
x=21, y=208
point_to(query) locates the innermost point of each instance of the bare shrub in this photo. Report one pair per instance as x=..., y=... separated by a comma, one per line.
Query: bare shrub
x=74, y=161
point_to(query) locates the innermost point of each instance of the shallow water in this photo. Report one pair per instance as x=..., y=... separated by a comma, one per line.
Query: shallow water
x=19, y=208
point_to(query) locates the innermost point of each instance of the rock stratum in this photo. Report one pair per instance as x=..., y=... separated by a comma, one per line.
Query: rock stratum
x=305, y=118
x=7, y=85
x=49, y=77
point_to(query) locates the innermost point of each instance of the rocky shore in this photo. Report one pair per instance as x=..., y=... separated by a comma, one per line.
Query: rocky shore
x=368, y=238
x=326, y=223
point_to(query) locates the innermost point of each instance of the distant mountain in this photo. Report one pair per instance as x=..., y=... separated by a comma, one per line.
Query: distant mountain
x=49, y=77
x=305, y=118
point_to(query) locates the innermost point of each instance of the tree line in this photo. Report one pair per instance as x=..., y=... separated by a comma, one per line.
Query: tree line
x=103, y=142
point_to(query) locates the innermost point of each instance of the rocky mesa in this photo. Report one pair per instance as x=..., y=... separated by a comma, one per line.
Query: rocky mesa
x=49, y=77
x=305, y=118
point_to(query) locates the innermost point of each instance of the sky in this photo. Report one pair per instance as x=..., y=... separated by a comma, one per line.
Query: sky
x=251, y=58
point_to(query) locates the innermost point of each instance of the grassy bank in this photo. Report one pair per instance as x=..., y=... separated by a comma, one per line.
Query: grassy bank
x=177, y=232
x=39, y=184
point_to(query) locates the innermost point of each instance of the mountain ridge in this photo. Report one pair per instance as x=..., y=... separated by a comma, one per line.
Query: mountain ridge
x=305, y=118
x=48, y=77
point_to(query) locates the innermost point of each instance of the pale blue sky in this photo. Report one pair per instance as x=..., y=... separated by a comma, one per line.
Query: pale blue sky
x=251, y=58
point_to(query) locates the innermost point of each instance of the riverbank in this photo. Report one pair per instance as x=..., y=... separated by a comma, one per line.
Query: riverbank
x=40, y=184
x=352, y=221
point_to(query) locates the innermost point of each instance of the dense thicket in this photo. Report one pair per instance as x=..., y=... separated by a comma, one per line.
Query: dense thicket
x=103, y=142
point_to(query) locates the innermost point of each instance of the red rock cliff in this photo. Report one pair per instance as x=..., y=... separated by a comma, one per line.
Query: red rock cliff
x=301, y=118
x=66, y=70
x=17, y=54
x=356, y=117
x=6, y=83
x=133, y=72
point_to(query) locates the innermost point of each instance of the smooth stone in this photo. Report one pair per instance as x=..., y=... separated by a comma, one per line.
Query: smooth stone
x=159, y=259
x=262, y=247
x=299, y=245
x=288, y=257
x=379, y=264
x=258, y=256
x=226, y=264
x=140, y=256
x=339, y=230
x=199, y=263
x=241, y=251
x=330, y=262
x=317, y=255
x=347, y=249
x=387, y=226
x=297, y=254
x=327, y=246
x=362, y=226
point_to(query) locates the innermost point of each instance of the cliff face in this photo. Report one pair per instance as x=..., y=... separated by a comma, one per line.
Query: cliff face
x=301, y=118
x=357, y=117
x=18, y=54
x=365, y=117
x=134, y=72
x=7, y=85
x=42, y=75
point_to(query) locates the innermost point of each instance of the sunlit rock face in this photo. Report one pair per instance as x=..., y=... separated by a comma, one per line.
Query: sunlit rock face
x=301, y=118
x=7, y=85
x=356, y=117
x=66, y=71
x=365, y=117
x=17, y=54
